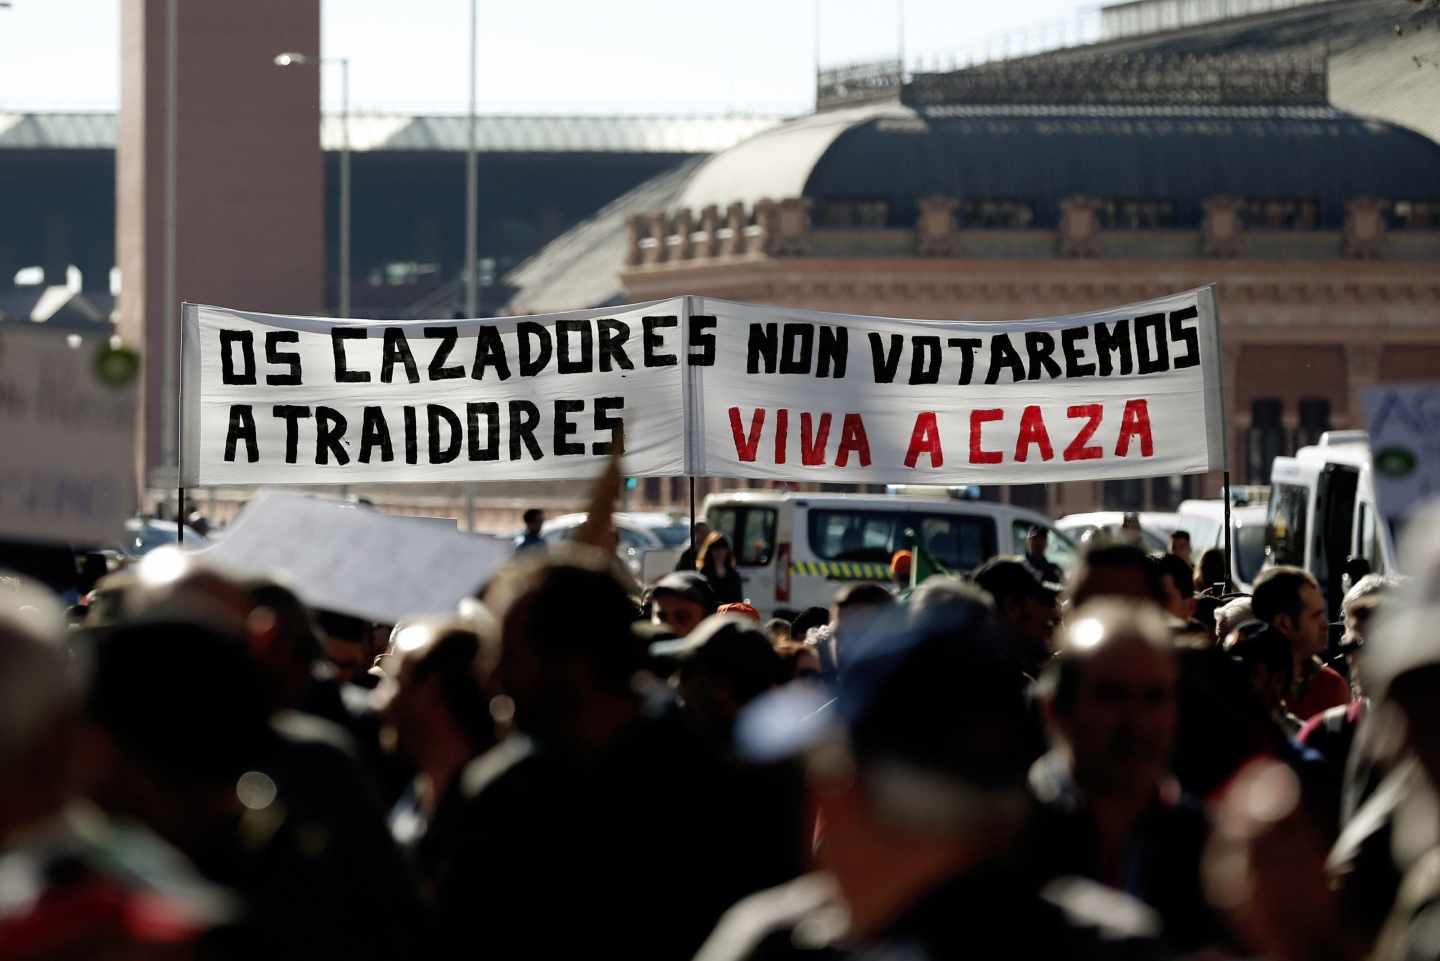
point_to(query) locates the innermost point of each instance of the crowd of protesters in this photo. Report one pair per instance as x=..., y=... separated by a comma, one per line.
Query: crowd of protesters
x=1133, y=762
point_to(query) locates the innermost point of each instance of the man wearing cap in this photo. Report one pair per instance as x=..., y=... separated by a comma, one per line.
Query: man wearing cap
x=721, y=666
x=1024, y=605
x=681, y=600
x=921, y=796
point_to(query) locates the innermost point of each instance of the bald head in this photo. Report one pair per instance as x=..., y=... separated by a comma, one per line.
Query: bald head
x=1110, y=695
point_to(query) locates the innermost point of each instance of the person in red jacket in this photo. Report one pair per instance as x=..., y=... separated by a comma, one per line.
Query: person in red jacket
x=1289, y=600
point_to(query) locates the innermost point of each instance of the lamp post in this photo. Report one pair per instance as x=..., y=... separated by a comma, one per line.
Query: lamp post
x=289, y=59
x=472, y=188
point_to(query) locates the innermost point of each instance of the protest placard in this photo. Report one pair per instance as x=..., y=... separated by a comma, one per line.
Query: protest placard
x=1404, y=428
x=708, y=388
x=354, y=560
x=67, y=424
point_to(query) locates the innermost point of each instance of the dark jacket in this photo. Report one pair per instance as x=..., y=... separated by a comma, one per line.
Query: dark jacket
x=727, y=587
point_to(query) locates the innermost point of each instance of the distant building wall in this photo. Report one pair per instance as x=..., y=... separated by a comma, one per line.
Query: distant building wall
x=248, y=173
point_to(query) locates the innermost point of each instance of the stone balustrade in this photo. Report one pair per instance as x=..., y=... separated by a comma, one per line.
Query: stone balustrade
x=784, y=228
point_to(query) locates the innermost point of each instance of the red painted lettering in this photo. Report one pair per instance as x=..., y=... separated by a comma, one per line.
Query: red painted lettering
x=812, y=448
x=925, y=439
x=1135, y=422
x=1077, y=449
x=745, y=447
x=852, y=437
x=978, y=420
x=1032, y=431
x=782, y=433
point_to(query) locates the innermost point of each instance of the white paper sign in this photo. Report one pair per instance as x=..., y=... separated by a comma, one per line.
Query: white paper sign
x=67, y=471
x=1404, y=427
x=806, y=396
x=355, y=560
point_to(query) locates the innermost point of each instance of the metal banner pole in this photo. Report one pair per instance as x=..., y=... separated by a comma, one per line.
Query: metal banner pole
x=692, y=511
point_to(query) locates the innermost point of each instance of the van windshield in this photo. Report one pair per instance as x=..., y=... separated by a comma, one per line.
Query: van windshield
x=1285, y=525
x=1249, y=551
x=958, y=542
x=750, y=530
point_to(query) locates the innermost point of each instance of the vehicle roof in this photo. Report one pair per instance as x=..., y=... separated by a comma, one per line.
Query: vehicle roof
x=1107, y=518
x=894, y=502
x=1215, y=509
x=640, y=519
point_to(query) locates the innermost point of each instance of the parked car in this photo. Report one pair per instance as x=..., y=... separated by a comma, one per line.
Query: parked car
x=794, y=550
x=639, y=531
x=144, y=534
x=1155, y=527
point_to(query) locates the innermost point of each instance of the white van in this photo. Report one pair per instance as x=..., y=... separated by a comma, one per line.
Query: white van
x=1322, y=511
x=795, y=550
x=1204, y=520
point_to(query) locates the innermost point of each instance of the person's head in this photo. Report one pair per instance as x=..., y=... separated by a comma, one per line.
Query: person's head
x=348, y=643
x=1231, y=616
x=1289, y=599
x=681, y=600
x=1117, y=570
x=1037, y=539
x=40, y=695
x=715, y=556
x=1180, y=544
x=534, y=519
x=567, y=650
x=854, y=609
x=1263, y=652
x=778, y=630
x=800, y=661
x=1177, y=584
x=1370, y=584
x=1109, y=696
x=1130, y=529
x=1026, y=606
x=436, y=697
x=182, y=705
x=741, y=608
x=698, y=532
x=283, y=640
x=900, y=566
x=912, y=782
x=721, y=666
x=1211, y=568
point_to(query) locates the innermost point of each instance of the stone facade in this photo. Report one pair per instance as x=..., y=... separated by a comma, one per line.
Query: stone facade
x=1305, y=326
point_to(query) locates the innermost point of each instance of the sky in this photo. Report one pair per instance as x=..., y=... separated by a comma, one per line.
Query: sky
x=558, y=56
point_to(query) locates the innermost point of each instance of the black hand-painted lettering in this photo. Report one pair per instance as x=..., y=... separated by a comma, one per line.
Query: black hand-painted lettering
x=329, y=436
x=651, y=341
x=832, y=352
x=1186, y=334
x=435, y=414
x=564, y=330
x=291, y=414
x=886, y=365
x=489, y=352
x=242, y=427
x=1113, y=340
x=613, y=335
x=700, y=336
x=396, y=349
x=275, y=357
x=524, y=418
x=1040, y=346
x=246, y=340
x=925, y=359
x=375, y=432
x=604, y=406
x=1146, y=326
x=535, y=347
x=1003, y=354
x=1075, y=365
x=338, y=336
x=447, y=337
x=763, y=345
x=491, y=411
x=968, y=346
x=564, y=427
x=797, y=347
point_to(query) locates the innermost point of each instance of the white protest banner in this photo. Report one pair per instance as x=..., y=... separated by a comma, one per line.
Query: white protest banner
x=799, y=395
x=705, y=387
x=1404, y=428
x=67, y=429
x=295, y=400
x=338, y=557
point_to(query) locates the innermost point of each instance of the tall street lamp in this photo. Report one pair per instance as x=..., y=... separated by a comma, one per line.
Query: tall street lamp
x=290, y=59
